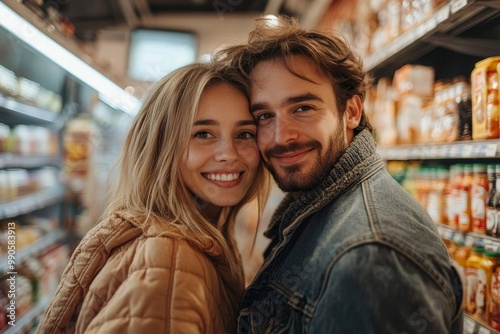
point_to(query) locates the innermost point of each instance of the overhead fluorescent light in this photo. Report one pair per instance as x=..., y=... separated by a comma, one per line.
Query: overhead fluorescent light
x=108, y=91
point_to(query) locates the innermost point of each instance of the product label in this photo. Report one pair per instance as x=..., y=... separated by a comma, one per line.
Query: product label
x=490, y=218
x=478, y=202
x=450, y=209
x=433, y=207
x=494, y=308
x=481, y=293
x=463, y=221
x=471, y=280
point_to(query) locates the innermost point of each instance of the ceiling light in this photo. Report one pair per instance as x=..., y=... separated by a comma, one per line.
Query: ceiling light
x=108, y=91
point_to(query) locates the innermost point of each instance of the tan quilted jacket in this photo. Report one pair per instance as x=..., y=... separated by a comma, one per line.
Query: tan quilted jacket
x=124, y=278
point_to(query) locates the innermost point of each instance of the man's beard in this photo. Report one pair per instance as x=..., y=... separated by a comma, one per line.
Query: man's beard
x=292, y=179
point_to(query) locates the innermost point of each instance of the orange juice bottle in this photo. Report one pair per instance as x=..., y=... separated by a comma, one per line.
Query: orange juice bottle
x=472, y=267
x=488, y=263
x=479, y=193
x=494, y=293
x=464, y=199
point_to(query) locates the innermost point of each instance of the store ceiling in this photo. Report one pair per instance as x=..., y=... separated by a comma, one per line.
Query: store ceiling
x=90, y=16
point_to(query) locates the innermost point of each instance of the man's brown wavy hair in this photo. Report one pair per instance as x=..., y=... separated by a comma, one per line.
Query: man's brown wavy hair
x=284, y=37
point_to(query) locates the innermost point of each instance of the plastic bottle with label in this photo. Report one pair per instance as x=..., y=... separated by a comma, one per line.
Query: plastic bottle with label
x=464, y=199
x=489, y=262
x=436, y=203
x=473, y=265
x=461, y=255
x=490, y=200
x=494, y=298
x=458, y=173
x=479, y=193
x=495, y=232
x=485, y=110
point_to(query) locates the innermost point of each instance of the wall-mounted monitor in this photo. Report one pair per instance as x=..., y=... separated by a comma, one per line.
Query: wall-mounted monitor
x=153, y=53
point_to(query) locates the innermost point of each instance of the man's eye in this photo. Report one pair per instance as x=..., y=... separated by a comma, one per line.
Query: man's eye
x=264, y=116
x=303, y=108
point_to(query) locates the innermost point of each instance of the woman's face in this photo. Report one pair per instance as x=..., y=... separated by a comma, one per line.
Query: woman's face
x=222, y=158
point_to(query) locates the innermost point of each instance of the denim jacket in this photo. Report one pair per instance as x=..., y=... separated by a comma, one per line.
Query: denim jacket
x=357, y=254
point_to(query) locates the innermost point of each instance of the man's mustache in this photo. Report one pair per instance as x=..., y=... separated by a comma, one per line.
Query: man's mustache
x=292, y=147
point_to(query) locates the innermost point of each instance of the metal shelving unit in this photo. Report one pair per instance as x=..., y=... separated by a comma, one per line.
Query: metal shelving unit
x=457, y=150
x=448, y=22
x=25, y=113
x=31, y=202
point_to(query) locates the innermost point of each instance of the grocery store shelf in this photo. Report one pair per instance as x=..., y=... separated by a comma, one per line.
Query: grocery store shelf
x=457, y=150
x=29, y=114
x=491, y=240
x=10, y=160
x=31, y=202
x=41, y=244
x=472, y=326
x=65, y=52
x=29, y=316
x=450, y=20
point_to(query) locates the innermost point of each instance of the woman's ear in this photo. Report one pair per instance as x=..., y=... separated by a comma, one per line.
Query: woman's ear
x=353, y=112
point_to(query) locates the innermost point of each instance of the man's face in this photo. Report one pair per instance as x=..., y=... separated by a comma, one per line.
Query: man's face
x=300, y=133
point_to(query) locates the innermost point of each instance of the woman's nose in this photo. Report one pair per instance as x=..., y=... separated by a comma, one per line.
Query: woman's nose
x=225, y=151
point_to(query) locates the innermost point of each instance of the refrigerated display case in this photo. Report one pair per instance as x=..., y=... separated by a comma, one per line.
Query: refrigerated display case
x=48, y=85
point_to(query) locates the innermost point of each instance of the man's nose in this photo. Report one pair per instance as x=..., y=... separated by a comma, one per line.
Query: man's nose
x=281, y=132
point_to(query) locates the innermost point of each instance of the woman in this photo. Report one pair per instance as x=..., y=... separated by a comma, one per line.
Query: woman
x=164, y=258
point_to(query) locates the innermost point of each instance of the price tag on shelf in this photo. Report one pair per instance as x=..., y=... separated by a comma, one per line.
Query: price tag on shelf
x=446, y=151
x=484, y=330
x=443, y=14
x=407, y=39
x=420, y=31
x=457, y=151
x=467, y=151
x=469, y=326
x=484, y=150
x=491, y=150
x=433, y=152
x=430, y=24
x=457, y=5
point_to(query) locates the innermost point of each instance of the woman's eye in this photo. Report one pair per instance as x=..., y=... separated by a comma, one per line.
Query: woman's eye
x=246, y=135
x=203, y=134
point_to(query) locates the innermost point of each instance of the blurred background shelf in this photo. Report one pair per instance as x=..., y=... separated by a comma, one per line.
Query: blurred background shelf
x=43, y=243
x=458, y=150
x=31, y=202
x=12, y=110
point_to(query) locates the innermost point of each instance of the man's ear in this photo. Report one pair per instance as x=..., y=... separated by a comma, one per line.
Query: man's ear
x=353, y=112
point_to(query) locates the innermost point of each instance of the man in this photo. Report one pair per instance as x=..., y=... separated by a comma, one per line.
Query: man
x=351, y=251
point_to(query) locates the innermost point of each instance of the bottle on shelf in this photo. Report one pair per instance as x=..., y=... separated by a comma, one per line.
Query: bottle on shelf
x=473, y=265
x=479, y=193
x=484, y=86
x=490, y=201
x=449, y=197
x=490, y=260
x=436, y=204
x=495, y=231
x=494, y=296
x=465, y=245
x=464, y=199
x=456, y=191
x=464, y=108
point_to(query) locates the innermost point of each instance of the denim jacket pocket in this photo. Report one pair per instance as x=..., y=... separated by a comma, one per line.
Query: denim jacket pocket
x=272, y=315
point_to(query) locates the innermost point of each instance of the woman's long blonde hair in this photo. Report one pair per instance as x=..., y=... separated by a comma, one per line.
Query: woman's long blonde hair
x=150, y=183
